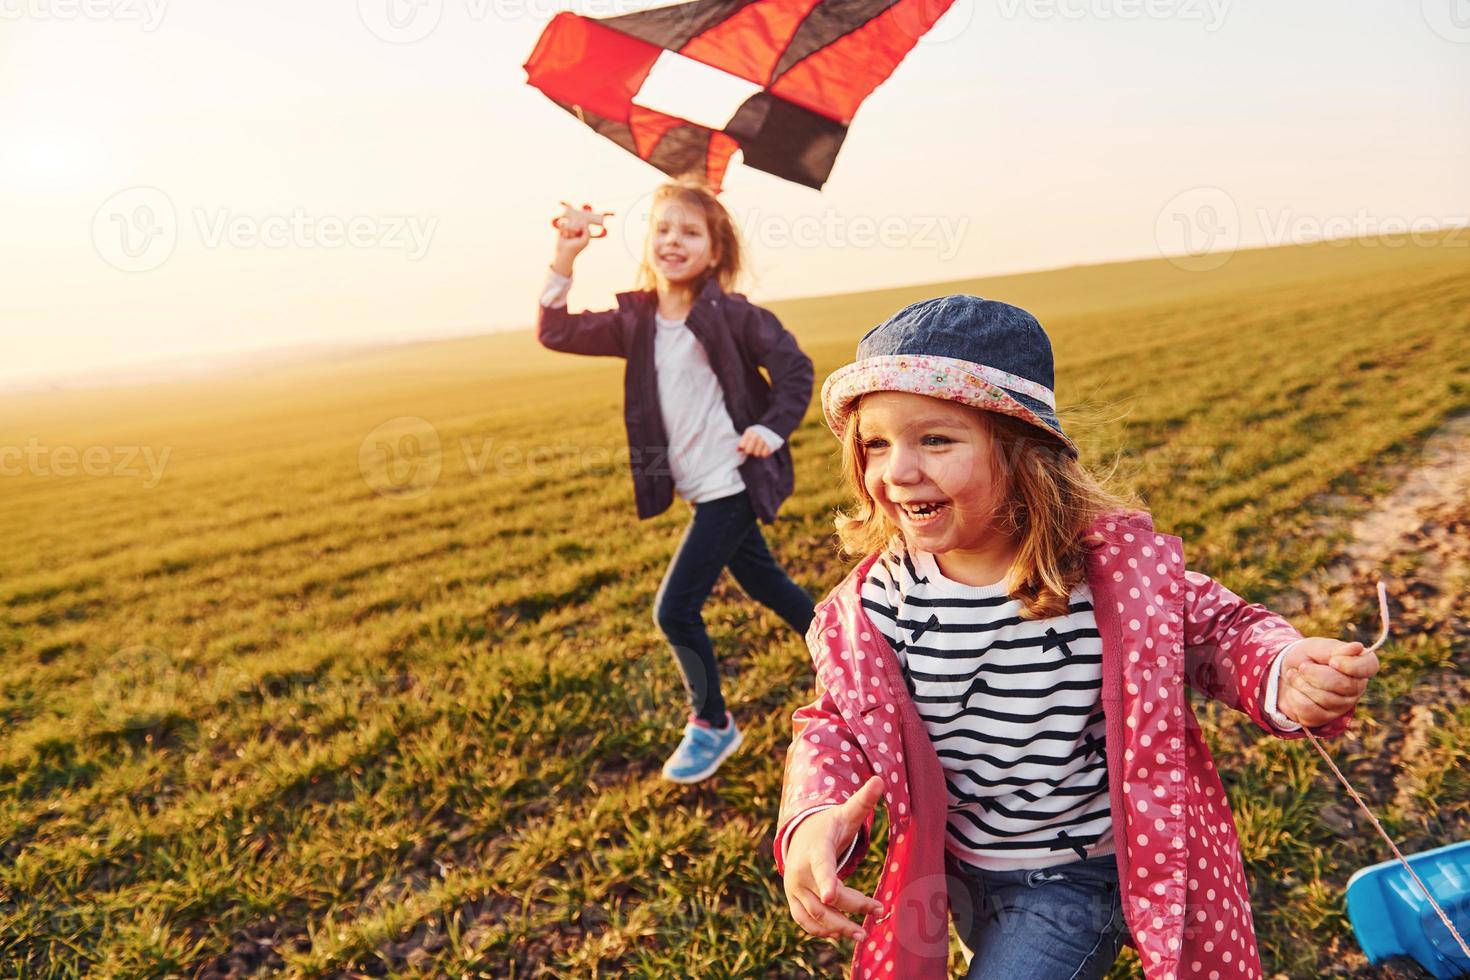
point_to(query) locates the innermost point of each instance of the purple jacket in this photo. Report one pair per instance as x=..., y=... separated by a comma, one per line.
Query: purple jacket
x=740, y=338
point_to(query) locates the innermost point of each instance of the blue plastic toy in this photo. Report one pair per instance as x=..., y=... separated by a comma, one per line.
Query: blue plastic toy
x=1392, y=918
x=1388, y=907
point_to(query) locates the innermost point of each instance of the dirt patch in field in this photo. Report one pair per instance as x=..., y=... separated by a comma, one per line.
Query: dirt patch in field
x=1415, y=538
x=1418, y=529
x=257, y=950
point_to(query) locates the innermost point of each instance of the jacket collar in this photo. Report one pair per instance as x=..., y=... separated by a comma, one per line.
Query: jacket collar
x=1110, y=529
x=646, y=300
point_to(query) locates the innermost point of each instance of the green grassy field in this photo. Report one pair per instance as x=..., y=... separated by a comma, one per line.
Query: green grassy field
x=295, y=705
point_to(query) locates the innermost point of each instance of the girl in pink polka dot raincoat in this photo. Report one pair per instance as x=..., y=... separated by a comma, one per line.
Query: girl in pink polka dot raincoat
x=953, y=449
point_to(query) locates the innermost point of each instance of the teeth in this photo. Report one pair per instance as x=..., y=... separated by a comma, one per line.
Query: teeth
x=921, y=510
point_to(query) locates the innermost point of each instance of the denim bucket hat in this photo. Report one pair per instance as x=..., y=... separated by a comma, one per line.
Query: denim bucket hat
x=965, y=349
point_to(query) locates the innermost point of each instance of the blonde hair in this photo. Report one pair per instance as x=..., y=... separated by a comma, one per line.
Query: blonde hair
x=724, y=236
x=1050, y=502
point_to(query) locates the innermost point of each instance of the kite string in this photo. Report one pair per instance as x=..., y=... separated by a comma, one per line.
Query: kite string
x=1383, y=636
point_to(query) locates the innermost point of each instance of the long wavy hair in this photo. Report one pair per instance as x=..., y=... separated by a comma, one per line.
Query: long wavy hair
x=1049, y=503
x=724, y=236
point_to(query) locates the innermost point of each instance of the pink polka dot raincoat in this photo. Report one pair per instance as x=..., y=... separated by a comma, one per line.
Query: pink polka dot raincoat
x=1163, y=628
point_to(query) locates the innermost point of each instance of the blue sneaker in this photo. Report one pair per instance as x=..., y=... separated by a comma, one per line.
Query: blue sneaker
x=703, y=749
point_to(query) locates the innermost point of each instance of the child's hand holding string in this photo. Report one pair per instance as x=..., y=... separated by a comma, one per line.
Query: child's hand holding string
x=819, y=902
x=1322, y=679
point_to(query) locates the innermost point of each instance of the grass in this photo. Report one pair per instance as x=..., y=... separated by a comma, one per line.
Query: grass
x=288, y=705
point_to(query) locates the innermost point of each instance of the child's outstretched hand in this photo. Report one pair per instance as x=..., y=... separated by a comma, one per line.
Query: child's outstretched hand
x=1322, y=679
x=819, y=902
x=571, y=237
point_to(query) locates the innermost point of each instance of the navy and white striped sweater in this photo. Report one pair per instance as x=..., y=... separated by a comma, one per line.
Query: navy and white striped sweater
x=1013, y=708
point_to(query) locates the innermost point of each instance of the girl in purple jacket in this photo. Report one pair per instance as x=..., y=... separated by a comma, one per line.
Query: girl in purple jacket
x=703, y=423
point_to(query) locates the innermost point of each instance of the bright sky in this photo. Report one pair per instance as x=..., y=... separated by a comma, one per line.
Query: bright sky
x=188, y=179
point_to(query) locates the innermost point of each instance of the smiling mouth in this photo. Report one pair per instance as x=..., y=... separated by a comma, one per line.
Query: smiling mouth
x=923, y=513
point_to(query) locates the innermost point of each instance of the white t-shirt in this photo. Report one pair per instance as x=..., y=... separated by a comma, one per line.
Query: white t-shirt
x=704, y=454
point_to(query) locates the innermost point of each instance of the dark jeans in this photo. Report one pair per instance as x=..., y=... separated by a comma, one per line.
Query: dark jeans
x=1058, y=923
x=723, y=534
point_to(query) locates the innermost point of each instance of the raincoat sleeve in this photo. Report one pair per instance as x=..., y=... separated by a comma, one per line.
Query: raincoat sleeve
x=824, y=766
x=1230, y=648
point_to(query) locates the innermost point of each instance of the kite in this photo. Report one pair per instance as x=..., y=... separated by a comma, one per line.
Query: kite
x=800, y=67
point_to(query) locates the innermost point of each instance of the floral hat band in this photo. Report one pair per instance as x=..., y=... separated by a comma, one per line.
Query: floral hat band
x=978, y=352
x=1014, y=382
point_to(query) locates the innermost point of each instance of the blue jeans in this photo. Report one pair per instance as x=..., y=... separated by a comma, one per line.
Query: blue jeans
x=1058, y=923
x=724, y=534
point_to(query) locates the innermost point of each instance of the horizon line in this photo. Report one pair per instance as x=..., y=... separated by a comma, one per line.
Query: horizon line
x=203, y=363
